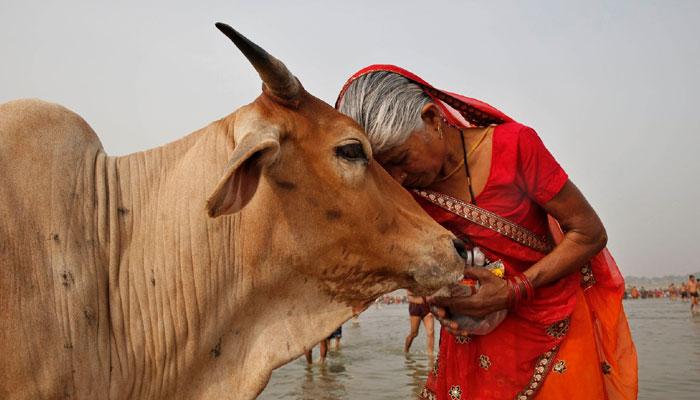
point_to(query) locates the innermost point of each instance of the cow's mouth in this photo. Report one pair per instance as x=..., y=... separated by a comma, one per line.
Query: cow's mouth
x=429, y=280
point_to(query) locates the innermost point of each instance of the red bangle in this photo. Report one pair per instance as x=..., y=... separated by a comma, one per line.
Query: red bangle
x=519, y=289
x=529, y=289
x=514, y=292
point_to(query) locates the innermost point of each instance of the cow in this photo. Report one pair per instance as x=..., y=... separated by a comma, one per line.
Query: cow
x=194, y=269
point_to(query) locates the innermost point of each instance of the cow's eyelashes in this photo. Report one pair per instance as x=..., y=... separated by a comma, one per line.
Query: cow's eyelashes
x=351, y=152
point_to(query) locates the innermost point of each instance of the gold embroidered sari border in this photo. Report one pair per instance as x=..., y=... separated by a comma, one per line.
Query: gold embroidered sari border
x=488, y=219
x=542, y=368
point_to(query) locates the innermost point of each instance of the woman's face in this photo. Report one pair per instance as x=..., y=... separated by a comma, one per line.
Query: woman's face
x=418, y=161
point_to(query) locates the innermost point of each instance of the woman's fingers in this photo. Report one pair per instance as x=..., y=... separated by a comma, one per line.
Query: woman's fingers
x=452, y=327
x=439, y=312
x=491, y=296
x=458, y=332
x=461, y=305
x=441, y=315
x=480, y=274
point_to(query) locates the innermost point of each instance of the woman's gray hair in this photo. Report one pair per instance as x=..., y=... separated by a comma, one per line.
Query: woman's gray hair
x=387, y=105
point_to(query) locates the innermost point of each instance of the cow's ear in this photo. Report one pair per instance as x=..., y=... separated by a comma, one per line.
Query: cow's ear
x=242, y=174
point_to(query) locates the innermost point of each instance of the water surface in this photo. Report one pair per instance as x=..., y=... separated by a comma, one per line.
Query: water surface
x=371, y=364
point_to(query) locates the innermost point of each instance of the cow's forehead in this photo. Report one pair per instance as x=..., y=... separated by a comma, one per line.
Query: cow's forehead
x=332, y=119
x=313, y=116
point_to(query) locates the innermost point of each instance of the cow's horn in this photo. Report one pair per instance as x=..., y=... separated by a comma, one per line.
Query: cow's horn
x=276, y=77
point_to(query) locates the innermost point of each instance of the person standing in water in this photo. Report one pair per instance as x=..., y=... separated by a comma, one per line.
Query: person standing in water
x=325, y=344
x=337, y=335
x=419, y=312
x=693, y=293
x=323, y=352
x=673, y=291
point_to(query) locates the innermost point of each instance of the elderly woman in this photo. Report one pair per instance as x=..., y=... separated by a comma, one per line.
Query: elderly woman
x=492, y=182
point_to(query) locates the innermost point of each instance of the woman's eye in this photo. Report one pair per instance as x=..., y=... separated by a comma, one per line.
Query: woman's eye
x=402, y=160
x=351, y=152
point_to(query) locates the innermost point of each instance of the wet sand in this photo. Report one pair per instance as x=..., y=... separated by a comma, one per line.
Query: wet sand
x=371, y=363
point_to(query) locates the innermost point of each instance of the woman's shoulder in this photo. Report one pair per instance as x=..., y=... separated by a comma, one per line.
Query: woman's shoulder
x=515, y=129
x=519, y=137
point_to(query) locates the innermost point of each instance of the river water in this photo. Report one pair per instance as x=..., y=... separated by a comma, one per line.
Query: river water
x=371, y=364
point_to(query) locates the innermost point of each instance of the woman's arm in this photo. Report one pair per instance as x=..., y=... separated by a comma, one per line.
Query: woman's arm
x=584, y=237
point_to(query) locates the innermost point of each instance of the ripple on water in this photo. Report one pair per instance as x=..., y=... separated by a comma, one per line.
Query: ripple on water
x=668, y=340
x=371, y=363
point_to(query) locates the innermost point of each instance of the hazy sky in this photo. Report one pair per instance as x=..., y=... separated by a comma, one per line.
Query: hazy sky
x=611, y=87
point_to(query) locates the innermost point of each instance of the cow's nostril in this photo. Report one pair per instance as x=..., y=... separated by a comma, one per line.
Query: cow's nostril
x=460, y=247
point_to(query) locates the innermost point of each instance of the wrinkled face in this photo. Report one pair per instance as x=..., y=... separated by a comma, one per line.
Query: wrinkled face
x=416, y=162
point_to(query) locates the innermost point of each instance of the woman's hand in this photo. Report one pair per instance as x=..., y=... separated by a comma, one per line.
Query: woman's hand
x=492, y=296
x=450, y=326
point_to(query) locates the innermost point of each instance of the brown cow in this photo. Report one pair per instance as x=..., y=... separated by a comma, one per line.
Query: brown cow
x=115, y=283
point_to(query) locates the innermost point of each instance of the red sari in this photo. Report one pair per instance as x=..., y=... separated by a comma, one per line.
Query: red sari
x=548, y=347
x=572, y=340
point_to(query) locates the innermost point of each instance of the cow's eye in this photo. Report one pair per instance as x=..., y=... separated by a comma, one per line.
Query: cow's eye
x=351, y=152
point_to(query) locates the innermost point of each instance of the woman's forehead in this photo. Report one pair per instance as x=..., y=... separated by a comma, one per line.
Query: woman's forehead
x=414, y=141
x=394, y=152
x=385, y=156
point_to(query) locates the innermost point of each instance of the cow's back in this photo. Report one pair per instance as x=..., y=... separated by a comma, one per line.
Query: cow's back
x=53, y=315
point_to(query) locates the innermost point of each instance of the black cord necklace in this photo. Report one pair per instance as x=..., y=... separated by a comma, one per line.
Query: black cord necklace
x=472, y=199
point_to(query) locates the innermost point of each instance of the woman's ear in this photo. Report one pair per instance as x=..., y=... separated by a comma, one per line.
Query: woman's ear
x=431, y=115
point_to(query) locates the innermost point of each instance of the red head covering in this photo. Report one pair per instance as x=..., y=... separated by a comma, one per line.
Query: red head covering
x=459, y=110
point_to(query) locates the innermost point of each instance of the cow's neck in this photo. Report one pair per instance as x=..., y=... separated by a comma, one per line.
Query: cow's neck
x=199, y=305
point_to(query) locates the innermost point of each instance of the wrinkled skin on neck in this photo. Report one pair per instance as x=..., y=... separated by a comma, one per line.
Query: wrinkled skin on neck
x=335, y=234
x=319, y=239
x=118, y=284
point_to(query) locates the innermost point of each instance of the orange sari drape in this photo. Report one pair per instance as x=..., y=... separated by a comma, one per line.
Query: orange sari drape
x=601, y=360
